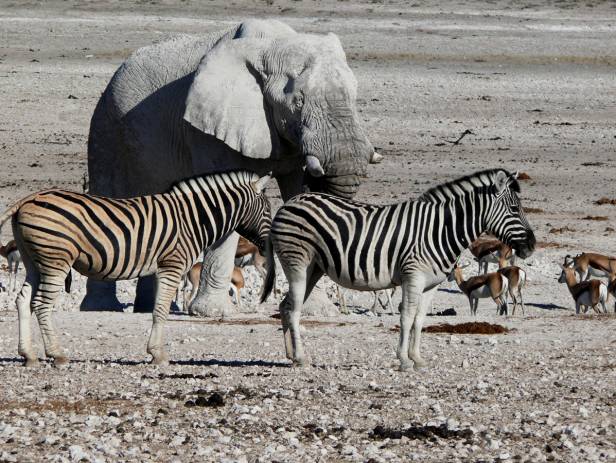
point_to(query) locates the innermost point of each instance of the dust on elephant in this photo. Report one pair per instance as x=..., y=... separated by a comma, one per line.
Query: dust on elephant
x=257, y=96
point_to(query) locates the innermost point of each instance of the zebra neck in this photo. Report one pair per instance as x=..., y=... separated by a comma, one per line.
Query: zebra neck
x=463, y=221
x=208, y=214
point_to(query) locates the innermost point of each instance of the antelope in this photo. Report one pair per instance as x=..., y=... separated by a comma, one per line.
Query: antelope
x=389, y=293
x=516, y=278
x=588, y=293
x=193, y=277
x=10, y=252
x=590, y=264
x=611, y=289
x=492, y=285
x=491, y=251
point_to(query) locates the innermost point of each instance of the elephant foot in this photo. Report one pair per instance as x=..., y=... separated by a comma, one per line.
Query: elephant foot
x=101, y=303
x=319, y=305
x=212, y=304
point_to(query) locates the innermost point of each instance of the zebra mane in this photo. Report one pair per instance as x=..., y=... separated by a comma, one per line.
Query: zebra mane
x=244, y=176
x=483, y=179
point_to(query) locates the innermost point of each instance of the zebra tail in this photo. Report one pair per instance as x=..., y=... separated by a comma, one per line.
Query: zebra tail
x=270, y=278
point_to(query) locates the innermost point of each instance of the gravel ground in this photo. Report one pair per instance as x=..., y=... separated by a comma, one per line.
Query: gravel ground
x=533, y=82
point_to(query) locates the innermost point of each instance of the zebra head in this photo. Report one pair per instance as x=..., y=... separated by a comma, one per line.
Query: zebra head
x=256, y=219
x=505, y=217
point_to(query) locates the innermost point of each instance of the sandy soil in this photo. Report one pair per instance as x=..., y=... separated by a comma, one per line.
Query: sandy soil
x=533, y=81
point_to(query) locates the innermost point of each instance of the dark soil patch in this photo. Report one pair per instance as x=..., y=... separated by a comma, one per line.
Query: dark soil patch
x=533, y=210
x=523, y=176
x=450, y=312
x=420, y=432
x=558, y=231
x=598, y=218
x=463, y=328
x=604, y=200
x=549, y=244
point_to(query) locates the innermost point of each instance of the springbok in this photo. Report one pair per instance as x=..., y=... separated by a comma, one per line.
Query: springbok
x=193, y=277
x=586, y=294
x=376, y=301
x=590, y=264
x=248, y=254
x=516, y=278
x=491, y=251
x=611, y=288
x=10, y=252
x=492, y=285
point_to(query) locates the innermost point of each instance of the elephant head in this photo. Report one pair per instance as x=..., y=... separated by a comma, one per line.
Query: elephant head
x=283, y=95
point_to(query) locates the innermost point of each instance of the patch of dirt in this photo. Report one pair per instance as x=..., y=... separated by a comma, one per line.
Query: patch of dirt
x=597, y=218
x=257, y=321
x=533, y=210
x=558, y=231
x=549, y=244
x=467, y=328
x=604, y=200
x=417, y=431
x=523, y=176
x=63, y=406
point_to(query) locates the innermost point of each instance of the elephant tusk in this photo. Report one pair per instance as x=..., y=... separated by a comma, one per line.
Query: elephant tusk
x=376, y=158
x=314, y=166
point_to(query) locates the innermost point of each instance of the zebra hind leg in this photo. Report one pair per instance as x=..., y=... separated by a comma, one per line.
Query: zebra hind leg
x=166, y=287
x=24, y=347
x=295, y=301
x=44, y=296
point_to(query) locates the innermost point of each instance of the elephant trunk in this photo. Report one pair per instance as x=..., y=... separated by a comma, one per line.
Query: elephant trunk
x=337, y=167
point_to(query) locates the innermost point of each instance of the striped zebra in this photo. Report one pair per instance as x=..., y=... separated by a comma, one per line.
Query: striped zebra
x=413, y=244
x=121, y=239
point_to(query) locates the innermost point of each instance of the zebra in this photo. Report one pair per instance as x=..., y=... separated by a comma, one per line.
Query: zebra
x=121, y=239
x=369, y=247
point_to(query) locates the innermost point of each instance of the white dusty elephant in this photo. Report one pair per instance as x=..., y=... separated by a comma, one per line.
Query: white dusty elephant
x=257, y=96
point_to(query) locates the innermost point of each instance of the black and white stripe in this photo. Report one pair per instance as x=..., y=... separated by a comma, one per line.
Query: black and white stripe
x=414, y=243
x=119, y=239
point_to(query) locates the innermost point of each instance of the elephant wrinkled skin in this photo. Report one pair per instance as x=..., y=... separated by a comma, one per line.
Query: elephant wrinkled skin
x=257, y=96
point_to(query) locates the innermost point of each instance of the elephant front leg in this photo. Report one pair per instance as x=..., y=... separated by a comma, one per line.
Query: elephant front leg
x=212, y=298
x=100, y=295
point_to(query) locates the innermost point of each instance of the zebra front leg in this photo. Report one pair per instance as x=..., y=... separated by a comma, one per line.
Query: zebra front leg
x=424, y=303
x=412, y=288
x=24, y=347
x=389, y=302
x=167, y=283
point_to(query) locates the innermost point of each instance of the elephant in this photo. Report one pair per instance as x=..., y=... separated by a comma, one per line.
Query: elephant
x=257, y=96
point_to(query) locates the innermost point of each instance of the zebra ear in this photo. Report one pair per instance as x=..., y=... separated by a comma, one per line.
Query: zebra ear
x=259, y=185
x=500, y=181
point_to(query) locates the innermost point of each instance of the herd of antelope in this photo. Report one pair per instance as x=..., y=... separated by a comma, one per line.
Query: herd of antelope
x=508, y=280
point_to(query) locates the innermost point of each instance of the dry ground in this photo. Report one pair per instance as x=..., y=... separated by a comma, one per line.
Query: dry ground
x=533, y=81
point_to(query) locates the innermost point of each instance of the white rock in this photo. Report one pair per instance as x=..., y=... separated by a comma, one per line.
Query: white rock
x=77, y=453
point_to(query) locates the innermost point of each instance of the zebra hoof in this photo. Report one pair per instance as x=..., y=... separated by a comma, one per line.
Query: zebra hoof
x=405, y=366
x=31, y=362
x=60, y=361
x=300, y=363
x=161, y=360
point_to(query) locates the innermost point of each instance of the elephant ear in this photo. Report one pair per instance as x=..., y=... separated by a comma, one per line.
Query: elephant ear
x=225, y=99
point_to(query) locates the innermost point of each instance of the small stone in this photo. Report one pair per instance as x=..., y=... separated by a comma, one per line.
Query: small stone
x=76, y=453
x=583, y=412
x=465, y=364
